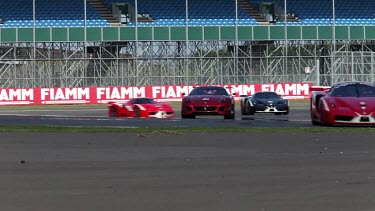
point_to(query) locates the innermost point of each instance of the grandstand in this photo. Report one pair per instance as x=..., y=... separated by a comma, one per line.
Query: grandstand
x=49, y=13
x=114, y=45
x=69, y=13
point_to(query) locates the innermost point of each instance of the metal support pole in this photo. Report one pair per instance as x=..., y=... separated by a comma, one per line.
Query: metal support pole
x=85, y=40
x=187, y=42
x=353, y=78
x=34, y=47
x=236, y=50
x=286, y=38
x=318, y=72
x=372, y=67
x=333, y=66
x=136, y=43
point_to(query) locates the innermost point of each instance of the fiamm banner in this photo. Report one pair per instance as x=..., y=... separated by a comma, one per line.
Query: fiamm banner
x=98, y=95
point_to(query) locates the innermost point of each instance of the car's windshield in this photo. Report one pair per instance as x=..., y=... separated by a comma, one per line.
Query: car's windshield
x=143, y=101
x=266, y=95
x=353, y=90
x=209, y=91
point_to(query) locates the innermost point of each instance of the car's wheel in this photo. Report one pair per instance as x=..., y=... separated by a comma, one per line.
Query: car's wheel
x=314, y=122
x=251, y=111
x=187, y=116
x=114, y=112
x=313, y=119
x=322, y=120
x=245, y=111
x=137, y=112
x=231, y=115
x=312, y=115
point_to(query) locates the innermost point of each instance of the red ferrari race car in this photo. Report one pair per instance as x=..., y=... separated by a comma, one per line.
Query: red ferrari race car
x=345, y=103
x=208, y=100
x=140, y=108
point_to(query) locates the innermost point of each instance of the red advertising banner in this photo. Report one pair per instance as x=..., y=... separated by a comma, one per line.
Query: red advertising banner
x=98, y=95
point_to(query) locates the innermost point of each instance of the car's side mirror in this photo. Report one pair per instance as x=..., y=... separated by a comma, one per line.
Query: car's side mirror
x=183, y=93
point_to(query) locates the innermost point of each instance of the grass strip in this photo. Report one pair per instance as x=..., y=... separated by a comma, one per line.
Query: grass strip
x=32, y=128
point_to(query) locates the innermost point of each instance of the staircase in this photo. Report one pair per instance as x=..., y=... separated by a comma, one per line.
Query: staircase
x=247, y=7
x=103, y=10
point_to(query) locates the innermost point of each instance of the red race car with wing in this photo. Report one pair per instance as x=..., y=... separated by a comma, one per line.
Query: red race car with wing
x=208, y=100
x=345, y=103
x=140, y=108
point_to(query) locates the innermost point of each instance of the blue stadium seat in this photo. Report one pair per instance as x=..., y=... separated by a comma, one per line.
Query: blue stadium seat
x=68, y=13
x=319, y=12
x=199, y=12
x=51, y=13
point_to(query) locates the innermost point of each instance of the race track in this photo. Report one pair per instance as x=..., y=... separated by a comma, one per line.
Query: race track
x=187, y=171
x=201, y=171
x=82, y=115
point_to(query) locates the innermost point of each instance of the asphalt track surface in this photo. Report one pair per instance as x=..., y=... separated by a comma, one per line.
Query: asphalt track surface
x=183, y=171
x=188, y=171
x=97, y=116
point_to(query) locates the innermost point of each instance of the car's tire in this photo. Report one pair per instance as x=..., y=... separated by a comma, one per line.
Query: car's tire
x=312, y=116
x=322, y=121
x=251, y=111
x=114, y=112
x=246, y=110
x=314, y=122
x=232, y=115
x=187, y=116
x=229, y=116
x=137, y=112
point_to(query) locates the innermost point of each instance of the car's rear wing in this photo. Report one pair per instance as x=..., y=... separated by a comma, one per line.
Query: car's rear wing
x=117, y=102
x=320, y=88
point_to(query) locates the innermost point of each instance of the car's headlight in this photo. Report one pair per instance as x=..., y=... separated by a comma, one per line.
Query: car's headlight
x=284, y=102
x=224, y=100
x=187, y=100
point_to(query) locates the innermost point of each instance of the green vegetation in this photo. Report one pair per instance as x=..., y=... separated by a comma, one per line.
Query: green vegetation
x=176, y=130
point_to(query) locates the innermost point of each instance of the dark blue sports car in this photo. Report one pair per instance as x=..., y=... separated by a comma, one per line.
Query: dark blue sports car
x=264, y=102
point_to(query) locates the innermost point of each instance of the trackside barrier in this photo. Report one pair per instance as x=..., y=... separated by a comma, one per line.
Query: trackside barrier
x=100, y=95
